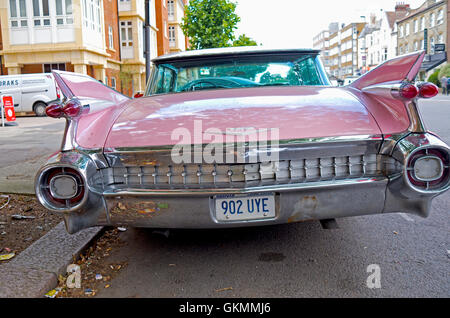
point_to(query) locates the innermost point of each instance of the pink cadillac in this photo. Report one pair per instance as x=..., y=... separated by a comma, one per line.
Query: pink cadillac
x=243, y=137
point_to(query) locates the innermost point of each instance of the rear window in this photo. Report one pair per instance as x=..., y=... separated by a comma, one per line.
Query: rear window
x=250, y=71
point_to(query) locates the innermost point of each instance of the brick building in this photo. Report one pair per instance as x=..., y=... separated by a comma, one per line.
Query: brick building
x=162, y=24
x=101, y=38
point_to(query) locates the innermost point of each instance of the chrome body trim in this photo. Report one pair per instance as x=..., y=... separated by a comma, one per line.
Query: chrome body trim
x=205, y=53
x=408, y=147
x=181, y=207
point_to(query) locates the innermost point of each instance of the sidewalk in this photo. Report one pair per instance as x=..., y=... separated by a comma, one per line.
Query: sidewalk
x=24, y=149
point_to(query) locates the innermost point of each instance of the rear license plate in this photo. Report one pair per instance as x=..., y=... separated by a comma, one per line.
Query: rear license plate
x=251, y=207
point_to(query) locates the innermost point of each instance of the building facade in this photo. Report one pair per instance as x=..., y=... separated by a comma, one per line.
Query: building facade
x=175, y=14
x=132, y=43
x=321, y=42
x=422, y=29
x=101, y=38
x=343, y=50
x=378, y=39
x=448, y=31
x=162, y=25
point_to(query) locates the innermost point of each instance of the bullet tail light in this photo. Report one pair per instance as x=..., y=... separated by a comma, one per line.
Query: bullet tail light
x=408, y=91
x=70, y=109
x=427, y=90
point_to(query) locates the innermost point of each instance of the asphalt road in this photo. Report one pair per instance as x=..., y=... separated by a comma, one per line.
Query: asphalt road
x=25, y=148
x=297, y=260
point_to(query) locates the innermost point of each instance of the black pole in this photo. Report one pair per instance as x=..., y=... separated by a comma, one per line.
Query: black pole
x=147, y=40
x=1, y=64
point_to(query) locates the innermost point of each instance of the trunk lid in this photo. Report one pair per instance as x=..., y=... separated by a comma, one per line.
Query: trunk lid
x=297, y=112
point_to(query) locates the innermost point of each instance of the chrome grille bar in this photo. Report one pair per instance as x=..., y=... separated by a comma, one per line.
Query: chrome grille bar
x=284, y=171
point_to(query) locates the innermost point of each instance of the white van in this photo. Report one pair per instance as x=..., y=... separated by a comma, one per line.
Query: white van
x=31, y=92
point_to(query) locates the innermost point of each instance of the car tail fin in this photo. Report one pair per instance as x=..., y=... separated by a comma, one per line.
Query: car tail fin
x=399, y=69
x=84, y=86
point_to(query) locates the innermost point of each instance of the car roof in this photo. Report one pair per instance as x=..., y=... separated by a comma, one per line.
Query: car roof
x=229, y=52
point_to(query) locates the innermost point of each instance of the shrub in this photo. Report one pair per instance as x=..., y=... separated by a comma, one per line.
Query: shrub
x=434, y=78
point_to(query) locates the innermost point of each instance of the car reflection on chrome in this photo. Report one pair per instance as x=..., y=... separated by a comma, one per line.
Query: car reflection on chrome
x=243, y=137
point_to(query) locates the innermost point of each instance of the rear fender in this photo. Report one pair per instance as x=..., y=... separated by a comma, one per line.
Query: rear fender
x=378, y=90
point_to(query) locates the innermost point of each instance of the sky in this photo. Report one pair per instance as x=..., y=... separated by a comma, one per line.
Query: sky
x=294, y=23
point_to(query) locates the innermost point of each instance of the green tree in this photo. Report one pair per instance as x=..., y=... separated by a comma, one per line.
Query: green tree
x=210, y=23
x=244, y=40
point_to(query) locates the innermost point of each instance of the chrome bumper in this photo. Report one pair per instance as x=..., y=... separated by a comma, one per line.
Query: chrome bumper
x=194, y=208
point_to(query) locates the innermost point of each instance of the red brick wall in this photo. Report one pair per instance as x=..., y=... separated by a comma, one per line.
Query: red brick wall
x=113, y=73
x=3, y=70
x=161, y=16
x=186, y=38
x=111, y=19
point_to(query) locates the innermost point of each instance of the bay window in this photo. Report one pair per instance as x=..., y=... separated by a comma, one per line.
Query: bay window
x=64, y=12
x=41, y=13
x=18, y=13
x=126, y=33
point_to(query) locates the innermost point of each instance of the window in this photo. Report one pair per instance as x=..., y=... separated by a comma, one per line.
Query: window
x=64, y=12
x=126, y=33
x=18, y=13
x=432, y=20
x=113, y=82
x=55, y=66
x=41, y=13
x=221, y=73
x=422, y=23
x=441, y=38
x=172, y=39
x=171, y=9
x=432, y=45
x=165, y=29
x=407, y=29
x=416, y=47
x=440, y=17
x=400, y=31
x=92, y=15
x=106, y=80
x=416, y=26
x=110, y=37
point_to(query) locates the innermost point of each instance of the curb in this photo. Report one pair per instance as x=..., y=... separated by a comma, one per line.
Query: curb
x=35, y=271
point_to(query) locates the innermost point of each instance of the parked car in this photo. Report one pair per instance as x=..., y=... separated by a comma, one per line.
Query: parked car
x=177, y=159
x=30, y=92
x=349, y=79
